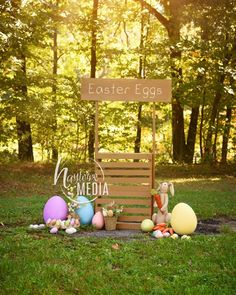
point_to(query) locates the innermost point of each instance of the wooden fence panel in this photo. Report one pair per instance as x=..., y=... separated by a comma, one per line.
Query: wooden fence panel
x=129, y=177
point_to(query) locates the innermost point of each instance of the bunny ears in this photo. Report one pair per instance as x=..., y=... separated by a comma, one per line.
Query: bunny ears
x=171, y=188
x=165, y=186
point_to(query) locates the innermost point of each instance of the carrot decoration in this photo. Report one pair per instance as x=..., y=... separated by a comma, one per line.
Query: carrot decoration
x=162, y=224
x=166, y=230
x=158, y=201
x=171, y=231
x=159, y=226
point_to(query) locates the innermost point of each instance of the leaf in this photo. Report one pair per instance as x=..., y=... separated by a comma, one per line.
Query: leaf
x=115, y=246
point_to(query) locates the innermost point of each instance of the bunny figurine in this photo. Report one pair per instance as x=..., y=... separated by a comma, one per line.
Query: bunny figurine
x=161, y=202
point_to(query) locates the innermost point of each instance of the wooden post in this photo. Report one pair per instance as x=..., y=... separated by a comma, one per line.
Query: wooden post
x=153, y=148
x=96, y=130
x=154, y=129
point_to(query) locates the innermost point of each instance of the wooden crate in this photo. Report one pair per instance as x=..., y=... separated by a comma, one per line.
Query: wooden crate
x=129, y=184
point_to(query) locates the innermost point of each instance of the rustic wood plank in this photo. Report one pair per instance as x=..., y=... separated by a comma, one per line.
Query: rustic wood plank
x=128, y=225
x=147, y=90
x=111, y=156
x=127, y=180
x=133, y=218
x=121, y=201
x=124, y=172
x=118, y=191
x=144, y=211
x=126, y=165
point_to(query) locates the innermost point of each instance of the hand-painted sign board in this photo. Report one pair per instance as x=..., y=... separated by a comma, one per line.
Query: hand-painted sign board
x=146, y=90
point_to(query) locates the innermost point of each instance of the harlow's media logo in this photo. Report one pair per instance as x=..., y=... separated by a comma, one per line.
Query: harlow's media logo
x=82, y=183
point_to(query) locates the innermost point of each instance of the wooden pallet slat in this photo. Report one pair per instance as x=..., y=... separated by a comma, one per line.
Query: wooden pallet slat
x=123, y=172
x=123, y=201
x=128, y=225
x=119, y=156
x=132, y=218
x=126, y=165
x=135, y=191
x=124, y=180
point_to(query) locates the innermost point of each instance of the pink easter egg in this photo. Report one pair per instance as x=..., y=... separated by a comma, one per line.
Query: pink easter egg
x=55, y=208
x=98, y=220
x=54, y=230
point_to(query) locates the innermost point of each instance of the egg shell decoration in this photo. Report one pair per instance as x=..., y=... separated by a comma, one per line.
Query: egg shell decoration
x=85, y=211
x=183, y=219
x=98, y=220
x=147, y=225
x=55, y=208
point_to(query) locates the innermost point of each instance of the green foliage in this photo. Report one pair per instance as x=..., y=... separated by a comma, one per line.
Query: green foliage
x=27, y=28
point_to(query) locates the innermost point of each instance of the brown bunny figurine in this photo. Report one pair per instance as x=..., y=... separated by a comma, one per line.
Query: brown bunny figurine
x=161, y=202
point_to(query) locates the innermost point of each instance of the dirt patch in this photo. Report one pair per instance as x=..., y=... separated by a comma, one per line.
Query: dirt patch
x=216, y=226
x=204, y=227
x=207, y=227
x=113, y=234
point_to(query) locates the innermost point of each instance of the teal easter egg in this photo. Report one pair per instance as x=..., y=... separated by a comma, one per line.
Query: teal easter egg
x=85, y=211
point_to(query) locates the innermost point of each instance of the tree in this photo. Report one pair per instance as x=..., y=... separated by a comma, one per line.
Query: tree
x=14, y=27
x=93, y=64
x=173, y=25
x=54, y=83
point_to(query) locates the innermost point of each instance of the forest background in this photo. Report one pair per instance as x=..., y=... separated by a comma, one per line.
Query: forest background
x=46, y=47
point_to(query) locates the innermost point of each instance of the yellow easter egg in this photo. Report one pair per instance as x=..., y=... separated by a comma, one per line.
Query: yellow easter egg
x=147, y=225
x=183, y=219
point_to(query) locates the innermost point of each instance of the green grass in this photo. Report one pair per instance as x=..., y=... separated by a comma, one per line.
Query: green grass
x=35, y=262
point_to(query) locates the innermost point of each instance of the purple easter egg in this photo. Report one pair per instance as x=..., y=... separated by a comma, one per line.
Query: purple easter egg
x=55, y=208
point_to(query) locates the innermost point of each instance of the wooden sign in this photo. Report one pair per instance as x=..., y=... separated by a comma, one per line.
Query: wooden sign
x=126, y=90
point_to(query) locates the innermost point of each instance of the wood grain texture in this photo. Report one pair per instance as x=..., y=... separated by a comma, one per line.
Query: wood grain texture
x=146, y=90
x=124, y=172
x=123, y=201
x=129, y=184
x=128, y=225
x=111, y=156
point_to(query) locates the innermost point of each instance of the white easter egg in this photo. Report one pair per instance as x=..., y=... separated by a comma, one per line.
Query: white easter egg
x=71, y=230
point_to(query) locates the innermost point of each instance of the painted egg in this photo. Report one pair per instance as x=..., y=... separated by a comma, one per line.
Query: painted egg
x=71, y=230
x=55, y=208
x=147, y=225
x=183, y=219
x=85, y=211
x=166, y=235
x=98, y=220
x=54, y=230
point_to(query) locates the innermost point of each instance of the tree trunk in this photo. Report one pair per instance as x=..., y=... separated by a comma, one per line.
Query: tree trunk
x=224, y=150
x=201, y=125
x=137, y=143
x=192, y=132
x=214, y=147
x=91, y=140
x=208, y=148
x=25, y=146
x=178, y=136
x=141, y=74
x=54, y=93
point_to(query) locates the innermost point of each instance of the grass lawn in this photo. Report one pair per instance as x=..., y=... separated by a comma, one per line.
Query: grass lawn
x=39, y=263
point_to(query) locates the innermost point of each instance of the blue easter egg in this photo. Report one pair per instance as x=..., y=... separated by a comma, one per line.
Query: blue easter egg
x=85, y=211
